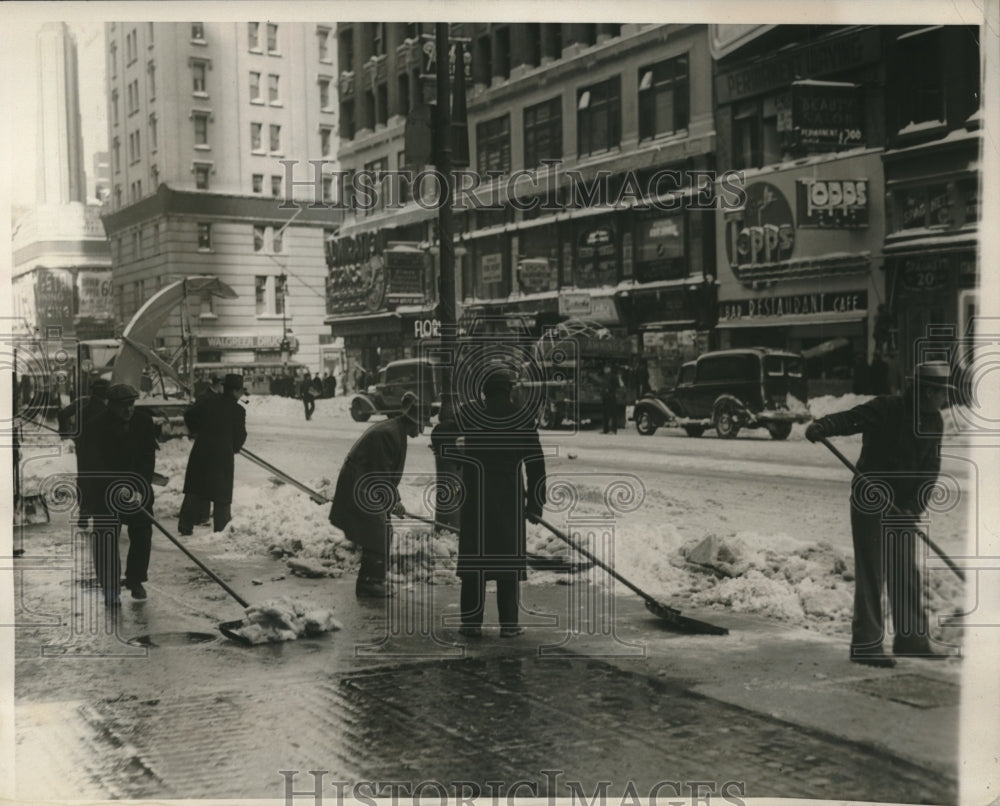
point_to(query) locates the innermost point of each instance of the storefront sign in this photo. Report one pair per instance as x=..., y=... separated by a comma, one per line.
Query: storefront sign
x=426, y=328
x=597, y=257
x=491, y=268
x=244, y=342
x=356, y=281
x=826, y=114
x=925, y=273
x=54, y=298
x=404, y=272
x=602, y=309
x=94, y=292
x=832, y=203
x=535, y=275
x=660, y=248
x=795, y=305
x=574, y=304
x=763, y=232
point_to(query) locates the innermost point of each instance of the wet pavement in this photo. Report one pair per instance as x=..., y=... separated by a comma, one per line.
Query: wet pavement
x=596, y=690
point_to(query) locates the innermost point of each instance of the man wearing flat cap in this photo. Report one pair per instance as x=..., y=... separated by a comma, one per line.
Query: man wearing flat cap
x=368, y=492
x=126, y=446
x=219, y=426
x=900, y=452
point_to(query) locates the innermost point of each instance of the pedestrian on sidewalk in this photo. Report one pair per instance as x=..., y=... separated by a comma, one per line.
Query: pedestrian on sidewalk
x=610, y=386
x=306, y=393
x=211, y=388
x=361, y=507
x=126, y=447
x=76, y=422
x=900, y=452
x=495, y=439
x=219, y=425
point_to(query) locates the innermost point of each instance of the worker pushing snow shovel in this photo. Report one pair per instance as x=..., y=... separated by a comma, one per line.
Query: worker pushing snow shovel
x=900, y=460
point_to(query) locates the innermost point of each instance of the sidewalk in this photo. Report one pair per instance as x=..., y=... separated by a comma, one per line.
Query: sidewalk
x=597, y=689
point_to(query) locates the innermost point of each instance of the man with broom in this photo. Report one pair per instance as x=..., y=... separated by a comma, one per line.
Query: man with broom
x=900, y=454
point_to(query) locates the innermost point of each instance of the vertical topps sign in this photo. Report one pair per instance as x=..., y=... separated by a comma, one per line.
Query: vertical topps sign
x=405, y=267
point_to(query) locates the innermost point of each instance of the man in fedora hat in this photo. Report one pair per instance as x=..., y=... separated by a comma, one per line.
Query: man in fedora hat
x=360, y=508
x=219, y=426
x=125, y=457
x=900, y=452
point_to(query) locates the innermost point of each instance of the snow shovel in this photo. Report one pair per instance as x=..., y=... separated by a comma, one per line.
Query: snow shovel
x=315, y=496
x=670, y=615
x=538, y=561
x=227, y=628
x=893, y=509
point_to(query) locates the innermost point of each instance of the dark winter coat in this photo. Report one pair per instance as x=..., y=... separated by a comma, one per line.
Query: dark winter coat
x=368, y=484
x=218, y=423
x=78, y=420
x=123, y=450
x=498, y=493
x=895, y=448
x=610, y=384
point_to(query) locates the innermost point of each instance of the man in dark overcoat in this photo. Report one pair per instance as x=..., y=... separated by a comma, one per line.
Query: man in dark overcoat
x=126, y=447
x=76, y=421
x=900, y=452
x=307, y=393
x=503, y=472
x=610, y=386
x=368, y=492
x=219, y=425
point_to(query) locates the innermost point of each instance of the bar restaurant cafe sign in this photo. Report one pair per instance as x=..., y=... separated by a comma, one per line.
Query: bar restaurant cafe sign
x=818, y=304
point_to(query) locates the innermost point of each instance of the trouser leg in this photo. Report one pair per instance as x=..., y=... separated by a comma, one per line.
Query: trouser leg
x=140, y=541
x=204, y=511
x=508, y=587
x=222, y=514
x=867, y=625
x=372, y=566
x=107, y=564
x=909, y=616
x=472, y=598
x=191, y=507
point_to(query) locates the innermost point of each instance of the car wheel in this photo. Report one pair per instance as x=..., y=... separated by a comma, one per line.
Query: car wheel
x=359, y=412
x=726, y=425
x=645, y=424
x=694, y=430
x=779, y=430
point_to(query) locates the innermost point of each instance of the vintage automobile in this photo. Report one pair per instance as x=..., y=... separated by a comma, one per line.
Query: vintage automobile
x=418, y=375
x=730, y=390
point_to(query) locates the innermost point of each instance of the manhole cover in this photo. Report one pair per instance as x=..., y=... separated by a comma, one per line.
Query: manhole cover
x=910, y=689
x=159, y=639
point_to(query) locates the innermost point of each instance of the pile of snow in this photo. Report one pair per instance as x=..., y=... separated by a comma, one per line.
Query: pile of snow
x=287, y=409
x=284, y=619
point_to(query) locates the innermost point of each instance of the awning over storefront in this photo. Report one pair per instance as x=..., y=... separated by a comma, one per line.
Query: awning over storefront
x=937, y=244
x=366, y=324
x=795, y=319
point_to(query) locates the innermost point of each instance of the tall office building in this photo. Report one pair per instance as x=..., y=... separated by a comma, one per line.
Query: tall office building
x=207, y=123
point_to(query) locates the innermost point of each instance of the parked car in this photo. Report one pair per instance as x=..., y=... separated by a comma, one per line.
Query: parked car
x=731, y=390
x=418, y=375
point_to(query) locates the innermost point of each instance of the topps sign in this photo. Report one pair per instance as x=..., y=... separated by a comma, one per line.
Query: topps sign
x=832, y=203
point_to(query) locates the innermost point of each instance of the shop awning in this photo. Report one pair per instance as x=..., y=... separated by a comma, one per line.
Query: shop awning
x=794, y=319
x=365, y=324
x=938, y=244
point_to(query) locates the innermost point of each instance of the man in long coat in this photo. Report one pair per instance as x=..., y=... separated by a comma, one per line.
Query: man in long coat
x=368, y=492
x=900, y=451
x=496, y=438
x=77, y=421
x=126, y=447
x=219, y=424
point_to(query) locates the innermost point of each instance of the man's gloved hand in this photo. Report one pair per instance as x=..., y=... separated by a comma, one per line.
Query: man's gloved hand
x=815, y=432
x=399, y=510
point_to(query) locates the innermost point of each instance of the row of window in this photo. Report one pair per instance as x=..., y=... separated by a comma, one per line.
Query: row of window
x=256, y=138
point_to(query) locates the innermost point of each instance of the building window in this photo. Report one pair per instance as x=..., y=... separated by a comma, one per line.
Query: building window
x=275, y=185
x=198, y=31
x=345, y=50
x=369, y=98
x=150, y=30
x=255, y=134
x=151, y=70
x=201, y=172
x=404, y=185
x=543, y=132
x=204, y=235
x=272, y=37
x=272, y=89
x=755, y=132
x=258, y=240
x=493, y=145
x=376, y=170
x=116, y=156
x=130, y=48
x=598, y=117
x=254, y=87
x=921, y=97
x=347, y=120
x=275, y=131
x=253, y=35
x=113, y=60
x=198, y=71
x=378, y=38
x=277, y=240
x=257, y=181
x=663, y=97
x=325, y=138
x=153, y=138
x=323, y=40
x=382, y=104
x=269, y=291
x=328, y=189
x=324, y=93
x=154, y=177
x=200, y=128
x=114, y=107
x=136, y=255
